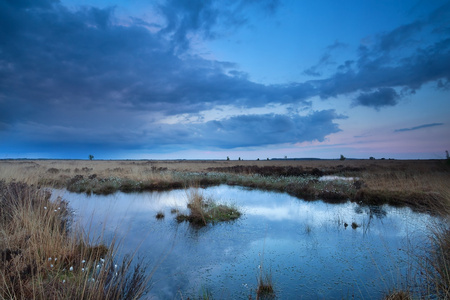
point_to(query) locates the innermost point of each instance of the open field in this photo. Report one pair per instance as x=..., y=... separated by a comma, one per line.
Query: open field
x=43, y=259
x=420, y=184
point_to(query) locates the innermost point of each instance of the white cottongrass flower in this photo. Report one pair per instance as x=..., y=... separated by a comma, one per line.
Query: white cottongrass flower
x=49, y=259
x=102, y=259
x=64, y=281
x=82, y=269
x=115, y=266
x=71, y=269
x=98, y=266
x=45, y=207
x=83, y=261
x=51, y=266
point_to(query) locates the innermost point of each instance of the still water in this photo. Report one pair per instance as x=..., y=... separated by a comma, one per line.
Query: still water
x=305, y=246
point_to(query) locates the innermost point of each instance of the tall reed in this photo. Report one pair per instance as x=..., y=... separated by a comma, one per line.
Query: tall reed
x=43, y=256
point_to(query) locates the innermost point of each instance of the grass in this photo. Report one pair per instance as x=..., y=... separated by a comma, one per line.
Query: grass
x=42, y=257
x=398, y=295
x=34, y=229
x=416, y=184
x=435, y=267
x=204, y=211
x=265, y=286
x=159, y=215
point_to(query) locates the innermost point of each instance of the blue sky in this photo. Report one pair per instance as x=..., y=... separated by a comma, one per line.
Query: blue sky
x=211, y=79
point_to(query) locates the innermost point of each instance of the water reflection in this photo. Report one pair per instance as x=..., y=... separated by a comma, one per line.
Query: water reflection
x=309, y=251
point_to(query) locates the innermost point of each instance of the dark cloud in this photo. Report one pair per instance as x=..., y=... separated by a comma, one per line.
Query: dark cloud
x=56, y=59
x=377, y=99
x=232, y=132
x=78, y=78
x=419, y=127
x=406, y=57
x=207, y=18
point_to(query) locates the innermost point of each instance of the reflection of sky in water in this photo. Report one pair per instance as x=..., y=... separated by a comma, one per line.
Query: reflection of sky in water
x=305, y=244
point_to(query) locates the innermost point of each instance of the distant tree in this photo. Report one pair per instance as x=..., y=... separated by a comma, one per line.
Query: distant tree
x=446, y=154
x=285, y=157
x=228, y=158
x=383, y=158
x=267, y=158
x=91, y=157
x=342, y=157
x=372, y=158
x=239, y=158
x=257, y=159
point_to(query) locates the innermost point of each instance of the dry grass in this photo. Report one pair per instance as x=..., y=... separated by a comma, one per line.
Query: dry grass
x=30, y=234
x=42, y=259
x=204, y=211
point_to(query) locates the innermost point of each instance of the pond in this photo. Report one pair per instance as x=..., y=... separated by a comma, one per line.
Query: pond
x=306, y=247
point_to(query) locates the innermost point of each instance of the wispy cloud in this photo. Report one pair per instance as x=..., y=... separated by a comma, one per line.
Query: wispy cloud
x=419, y=127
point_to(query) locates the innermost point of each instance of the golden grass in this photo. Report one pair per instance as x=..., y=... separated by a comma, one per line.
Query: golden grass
x=42, y=259
x=417, y=183
x=204, y=211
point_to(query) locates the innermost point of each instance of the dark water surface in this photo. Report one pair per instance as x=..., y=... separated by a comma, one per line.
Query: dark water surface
x=305, y=246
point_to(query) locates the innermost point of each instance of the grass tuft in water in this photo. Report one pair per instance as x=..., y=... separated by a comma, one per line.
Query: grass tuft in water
x=204, y=211
x=265, y=285
x=160, y=215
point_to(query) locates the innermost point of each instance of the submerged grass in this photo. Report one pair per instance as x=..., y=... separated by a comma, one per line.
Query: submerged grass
x=42, y=257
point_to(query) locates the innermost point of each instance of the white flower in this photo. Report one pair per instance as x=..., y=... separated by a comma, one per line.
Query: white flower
x=64, y=281
x=82, y=269
x=71, y=269
x=83, y=261
x=115, y=266
x=102, y=259
x=51, y=266
x=98, y=266
x=49, y=259
x=45, y=207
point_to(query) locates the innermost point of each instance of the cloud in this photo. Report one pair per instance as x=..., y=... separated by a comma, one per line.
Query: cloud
x=419, y=127
x=79, y=78
x=379, y=98
x=232, y=132
x=325, y=60
x=55, y=60
x=207, y=18
x=406, y=57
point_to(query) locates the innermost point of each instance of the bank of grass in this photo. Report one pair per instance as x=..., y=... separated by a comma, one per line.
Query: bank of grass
x=204, y=210
x=417, y=184
x=43, y=256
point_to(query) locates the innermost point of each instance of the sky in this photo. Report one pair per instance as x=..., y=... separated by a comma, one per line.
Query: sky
x=203, y=79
